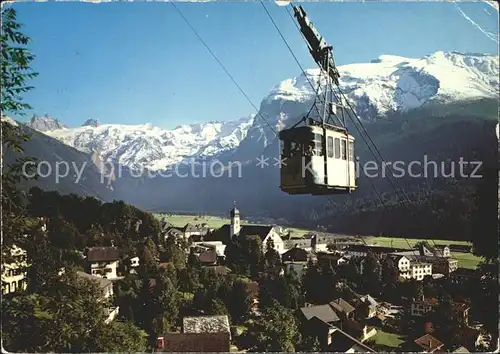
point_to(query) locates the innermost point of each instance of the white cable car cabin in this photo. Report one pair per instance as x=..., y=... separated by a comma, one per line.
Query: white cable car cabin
x=317, y=160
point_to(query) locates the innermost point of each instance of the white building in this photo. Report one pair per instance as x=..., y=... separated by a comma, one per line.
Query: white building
x=103, y=262
x=264, y=232
x=13, y=274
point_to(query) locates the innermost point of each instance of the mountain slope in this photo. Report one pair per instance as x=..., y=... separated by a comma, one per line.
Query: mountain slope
x=387, y=85
x=62, y=168
x=148, y=147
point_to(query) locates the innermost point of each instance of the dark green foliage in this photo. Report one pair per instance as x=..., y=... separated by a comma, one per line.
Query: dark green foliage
x=16, y=72
x=244, y=255
x=67, y=317
x=275, y=331
x=239, y=301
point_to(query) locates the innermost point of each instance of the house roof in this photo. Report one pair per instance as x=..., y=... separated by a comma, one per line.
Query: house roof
x=322, y=312
x=196, y=342
x=172, y=231
x=295, y=254
x=209, y=256
x=195, y=228
x=206, y=324
x=428, y=342
x=102, y=282
x=259, y=230
x=342, y=306
x=103, y=254
x=342, y=342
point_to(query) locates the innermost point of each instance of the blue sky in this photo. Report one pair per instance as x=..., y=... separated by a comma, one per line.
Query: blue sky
x=134, y=63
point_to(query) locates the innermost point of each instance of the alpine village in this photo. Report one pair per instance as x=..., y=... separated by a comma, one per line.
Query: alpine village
x=82, y=275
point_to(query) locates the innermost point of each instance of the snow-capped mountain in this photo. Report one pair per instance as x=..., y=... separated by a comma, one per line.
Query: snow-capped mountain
x=153, y=148
x=45, y=123
x=392, y=83
x=384, y=85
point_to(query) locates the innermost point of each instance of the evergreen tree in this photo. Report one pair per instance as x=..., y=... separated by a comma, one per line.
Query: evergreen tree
x=275, y=331
x=16, y=72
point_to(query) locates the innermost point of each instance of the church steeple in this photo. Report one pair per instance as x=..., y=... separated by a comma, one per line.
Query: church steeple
x=235, y=221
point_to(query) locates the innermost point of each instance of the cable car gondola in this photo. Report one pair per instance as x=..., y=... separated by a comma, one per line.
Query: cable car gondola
x=318, y=158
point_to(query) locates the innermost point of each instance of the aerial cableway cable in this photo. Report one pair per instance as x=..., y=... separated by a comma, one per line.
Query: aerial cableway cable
x=354, y=120
x=223, y=67
x=349, y=115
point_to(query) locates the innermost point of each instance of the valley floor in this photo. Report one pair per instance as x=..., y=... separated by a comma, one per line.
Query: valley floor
x=466, y=260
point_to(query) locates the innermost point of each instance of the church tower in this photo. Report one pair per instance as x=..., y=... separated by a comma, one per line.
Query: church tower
x=235, y=221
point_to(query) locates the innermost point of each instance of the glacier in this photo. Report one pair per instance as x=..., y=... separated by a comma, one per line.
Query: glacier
x=375, y=89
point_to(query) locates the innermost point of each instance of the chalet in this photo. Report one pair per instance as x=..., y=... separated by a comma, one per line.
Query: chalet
x=231, y=231
x=13, y=274
x=295, y=259
x=295, y=254
x=102, y=262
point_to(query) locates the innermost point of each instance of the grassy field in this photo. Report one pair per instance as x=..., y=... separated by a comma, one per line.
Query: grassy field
x=182, y=220
x=465, y=260
x=401, y=242
x=215, y=222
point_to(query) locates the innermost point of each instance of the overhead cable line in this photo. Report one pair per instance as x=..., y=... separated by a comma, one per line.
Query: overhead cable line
x=223, y=67
x=342, y=95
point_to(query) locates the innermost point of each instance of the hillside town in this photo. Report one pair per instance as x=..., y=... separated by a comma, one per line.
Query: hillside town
x=337, y=294
x=90, y=266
